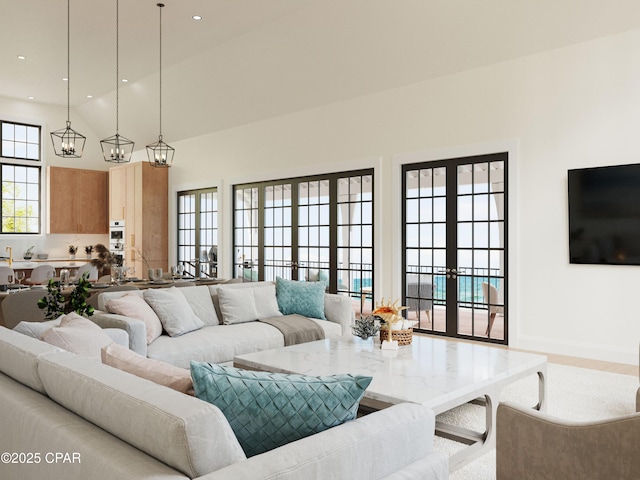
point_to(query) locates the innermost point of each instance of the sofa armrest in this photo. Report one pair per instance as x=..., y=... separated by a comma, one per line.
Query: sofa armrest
x=337, y=309
x=371, y=447
x=533, y=445
x=135, y=328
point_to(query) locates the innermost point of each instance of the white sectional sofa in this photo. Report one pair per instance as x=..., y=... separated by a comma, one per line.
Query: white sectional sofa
x=72, y=417
x=218, y=341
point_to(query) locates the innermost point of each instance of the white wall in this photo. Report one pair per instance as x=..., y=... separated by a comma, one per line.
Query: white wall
x=573, y=107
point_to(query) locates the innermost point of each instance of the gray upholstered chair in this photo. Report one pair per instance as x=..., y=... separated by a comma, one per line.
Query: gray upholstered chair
x=22, y=306
x=531, y=445
x=420, y=294
x=4, y=275
x=490, y=294
x=41, y=275
x=87, y=267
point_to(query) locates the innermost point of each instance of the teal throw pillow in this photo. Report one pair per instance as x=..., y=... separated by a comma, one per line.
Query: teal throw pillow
x=302, y=298
x=323, y=276
x=268, y=410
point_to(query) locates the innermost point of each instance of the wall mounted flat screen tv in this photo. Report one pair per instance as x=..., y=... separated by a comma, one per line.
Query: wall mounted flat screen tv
x=604, y=215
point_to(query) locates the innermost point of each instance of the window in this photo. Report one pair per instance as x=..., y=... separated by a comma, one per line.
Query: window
x=19, y=149
x=20, y=141
x=198, y=232
x=317, y=228
x=455, y=246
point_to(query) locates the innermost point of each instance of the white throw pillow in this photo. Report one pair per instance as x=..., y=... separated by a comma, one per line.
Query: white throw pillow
x=78, y=335
x=239, y=305
x=201, y=303
x=172, y=309
x=134, y=306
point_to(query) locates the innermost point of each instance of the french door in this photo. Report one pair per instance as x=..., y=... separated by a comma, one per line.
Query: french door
x=317, y=228
x=455, y=246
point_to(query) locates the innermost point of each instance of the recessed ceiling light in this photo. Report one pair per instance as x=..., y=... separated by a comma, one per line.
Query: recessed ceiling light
x=89, y=96
x=21, y=57
x=31, y=98
x=197, y=17
x=65, y=79
x=124, y=80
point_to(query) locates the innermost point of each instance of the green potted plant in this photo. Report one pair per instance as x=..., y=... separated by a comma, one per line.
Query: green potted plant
x=88, y=250
x=55, y=303
x=28, y=255
x=72, y=251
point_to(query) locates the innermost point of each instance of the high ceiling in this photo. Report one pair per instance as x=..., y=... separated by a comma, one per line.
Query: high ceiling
x=248, y=60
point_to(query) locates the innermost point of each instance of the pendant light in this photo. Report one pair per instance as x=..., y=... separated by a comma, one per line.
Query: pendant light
x=117, y=149
x=68, y=143
x=159, y=153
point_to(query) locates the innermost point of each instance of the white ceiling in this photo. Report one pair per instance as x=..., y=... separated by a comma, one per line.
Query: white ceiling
x=249, y=60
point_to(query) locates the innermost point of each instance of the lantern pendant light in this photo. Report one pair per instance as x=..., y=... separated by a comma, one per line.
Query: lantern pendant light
x=68, y=143
x=117, y=149
x=159, y=153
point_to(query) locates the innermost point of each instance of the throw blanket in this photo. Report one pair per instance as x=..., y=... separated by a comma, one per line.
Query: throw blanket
x=296, y=328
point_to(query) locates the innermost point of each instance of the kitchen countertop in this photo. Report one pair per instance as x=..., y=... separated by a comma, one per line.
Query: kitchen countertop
x=56, y=262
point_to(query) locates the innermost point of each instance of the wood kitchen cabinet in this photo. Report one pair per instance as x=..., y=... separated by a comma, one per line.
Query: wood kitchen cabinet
x=139, y=195
x=77, y=200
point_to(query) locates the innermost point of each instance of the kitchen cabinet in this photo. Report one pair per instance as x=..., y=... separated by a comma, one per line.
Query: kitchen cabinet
x=139, y=195
x=77, y=200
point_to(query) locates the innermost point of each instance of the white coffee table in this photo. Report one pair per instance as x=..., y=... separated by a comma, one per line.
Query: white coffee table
x=440, y=374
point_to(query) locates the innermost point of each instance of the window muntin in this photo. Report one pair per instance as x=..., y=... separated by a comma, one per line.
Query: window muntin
x=20, y=199
x=308, y=229
x=198, y=232
x=20, y=141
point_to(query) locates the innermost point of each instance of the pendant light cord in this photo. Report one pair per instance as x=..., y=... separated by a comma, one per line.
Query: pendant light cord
x=160, y=5
x=68, y=59
x=117, y=63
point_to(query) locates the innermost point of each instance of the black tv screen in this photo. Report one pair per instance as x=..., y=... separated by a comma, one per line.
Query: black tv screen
x=604, y=215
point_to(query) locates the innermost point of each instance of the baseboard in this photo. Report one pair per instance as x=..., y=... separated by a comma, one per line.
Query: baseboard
x=604, y=353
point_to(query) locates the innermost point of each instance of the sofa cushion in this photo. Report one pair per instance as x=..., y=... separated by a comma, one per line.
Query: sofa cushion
x=19, y=357
x=134, y=306
x=303, y=298
x=216, y=344
x=172, y=309
x=240, y=305
x=267, y=410
x=36, y=329
x=199, y=298
x=78, y=335
x=183, y=432
x=158, y=372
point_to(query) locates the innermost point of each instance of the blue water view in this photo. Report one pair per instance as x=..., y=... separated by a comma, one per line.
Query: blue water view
x=469, y=288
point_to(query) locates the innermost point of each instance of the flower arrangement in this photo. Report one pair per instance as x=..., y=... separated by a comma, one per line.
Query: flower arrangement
x=105, y=259
x=72, y=249
x=88, y=249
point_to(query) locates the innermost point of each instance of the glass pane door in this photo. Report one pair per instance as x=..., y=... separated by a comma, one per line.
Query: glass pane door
x=455, y=246
x=481, y=249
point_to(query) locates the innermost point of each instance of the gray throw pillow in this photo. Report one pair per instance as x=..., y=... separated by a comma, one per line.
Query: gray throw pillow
x=172, y=309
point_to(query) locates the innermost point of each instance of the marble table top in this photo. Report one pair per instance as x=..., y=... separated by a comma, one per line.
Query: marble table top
x=432, y=371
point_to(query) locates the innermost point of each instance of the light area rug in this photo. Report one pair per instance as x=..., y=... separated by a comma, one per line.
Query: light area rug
x=573, y=393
